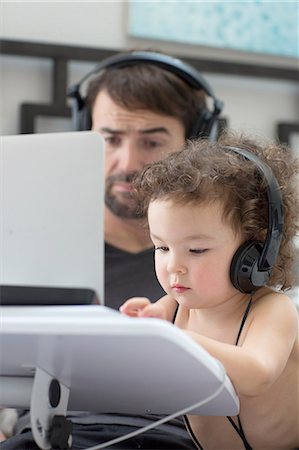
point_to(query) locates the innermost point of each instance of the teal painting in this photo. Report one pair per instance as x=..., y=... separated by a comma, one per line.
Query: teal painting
x=269, y=27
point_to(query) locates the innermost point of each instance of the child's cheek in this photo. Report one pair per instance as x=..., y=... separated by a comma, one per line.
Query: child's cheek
x=162, y=274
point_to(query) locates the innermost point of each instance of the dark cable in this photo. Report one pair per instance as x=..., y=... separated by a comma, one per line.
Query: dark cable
x=188, y=426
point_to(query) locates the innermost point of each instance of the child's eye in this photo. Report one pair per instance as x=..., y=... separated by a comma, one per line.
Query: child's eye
x=161, y=248
x=197, y=251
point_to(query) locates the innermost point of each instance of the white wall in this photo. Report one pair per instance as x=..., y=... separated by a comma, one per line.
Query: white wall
x=250, y=103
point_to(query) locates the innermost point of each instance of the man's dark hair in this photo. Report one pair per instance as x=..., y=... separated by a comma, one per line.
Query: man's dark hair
x=148, y=87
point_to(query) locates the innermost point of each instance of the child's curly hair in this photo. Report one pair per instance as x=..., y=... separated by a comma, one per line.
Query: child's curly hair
x=204, y=172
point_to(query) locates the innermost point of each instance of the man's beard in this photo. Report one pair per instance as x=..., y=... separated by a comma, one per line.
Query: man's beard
x=122, y=205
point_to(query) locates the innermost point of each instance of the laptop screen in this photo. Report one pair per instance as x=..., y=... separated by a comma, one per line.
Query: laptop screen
x=51, y=221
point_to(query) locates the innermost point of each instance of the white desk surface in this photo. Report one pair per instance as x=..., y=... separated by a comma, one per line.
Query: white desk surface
x=110, y=362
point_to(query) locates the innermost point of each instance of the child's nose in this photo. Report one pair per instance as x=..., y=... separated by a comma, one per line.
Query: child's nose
x=175, y=265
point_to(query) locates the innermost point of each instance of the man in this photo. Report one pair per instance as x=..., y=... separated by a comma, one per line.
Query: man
x=145, y=105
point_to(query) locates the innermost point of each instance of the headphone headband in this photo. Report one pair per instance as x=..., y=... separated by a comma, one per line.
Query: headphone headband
x=275, y=210
x=174, y=65
x=254, y=260
x=167, y=62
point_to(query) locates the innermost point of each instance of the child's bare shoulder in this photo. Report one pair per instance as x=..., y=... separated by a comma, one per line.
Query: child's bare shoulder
x=275, y=304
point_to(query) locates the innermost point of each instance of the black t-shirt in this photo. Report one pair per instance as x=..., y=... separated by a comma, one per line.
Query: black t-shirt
x=129, y=275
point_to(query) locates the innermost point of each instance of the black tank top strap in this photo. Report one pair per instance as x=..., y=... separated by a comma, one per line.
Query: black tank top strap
x=239, y=429
x=244, y=320
x=175, y=313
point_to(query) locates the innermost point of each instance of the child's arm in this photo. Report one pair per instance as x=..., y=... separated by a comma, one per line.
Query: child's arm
x=271, y=336
x=164, y=308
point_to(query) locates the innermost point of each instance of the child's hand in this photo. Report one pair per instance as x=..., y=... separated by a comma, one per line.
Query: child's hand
x=142, y=307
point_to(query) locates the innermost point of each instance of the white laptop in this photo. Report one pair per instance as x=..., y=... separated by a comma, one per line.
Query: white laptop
x=51, y=238
x=51, y=220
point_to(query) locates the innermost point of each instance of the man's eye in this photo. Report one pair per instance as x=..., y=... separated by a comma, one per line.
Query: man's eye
x=198, y=251
x=112, y=140
x=151, y=145
x=162, y=248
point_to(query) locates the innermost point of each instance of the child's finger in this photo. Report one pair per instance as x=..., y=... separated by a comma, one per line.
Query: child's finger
x=134, y=306
x=152, y=310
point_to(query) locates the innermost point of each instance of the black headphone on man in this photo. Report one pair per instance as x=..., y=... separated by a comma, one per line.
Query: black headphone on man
x=253, y=262
x=207, y=119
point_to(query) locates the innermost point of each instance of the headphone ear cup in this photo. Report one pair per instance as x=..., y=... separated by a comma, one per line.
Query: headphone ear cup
x=244, y=272
x=205, y=126
x=80, y=113
x=84, y=120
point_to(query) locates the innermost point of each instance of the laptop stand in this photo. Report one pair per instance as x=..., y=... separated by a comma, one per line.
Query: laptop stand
x=92, y=358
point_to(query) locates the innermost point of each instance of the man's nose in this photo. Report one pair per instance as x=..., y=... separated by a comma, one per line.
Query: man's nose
x=129, y=158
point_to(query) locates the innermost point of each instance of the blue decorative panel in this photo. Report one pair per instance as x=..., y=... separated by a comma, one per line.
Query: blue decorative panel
x=261, y=26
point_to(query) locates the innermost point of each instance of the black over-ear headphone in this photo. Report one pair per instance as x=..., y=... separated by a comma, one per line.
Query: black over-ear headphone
x=253, y=262
x=207, y=120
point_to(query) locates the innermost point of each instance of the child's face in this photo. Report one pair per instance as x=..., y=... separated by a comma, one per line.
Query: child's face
x=194, y=250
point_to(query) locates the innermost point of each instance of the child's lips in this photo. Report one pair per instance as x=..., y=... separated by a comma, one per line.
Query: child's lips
x=180, y=289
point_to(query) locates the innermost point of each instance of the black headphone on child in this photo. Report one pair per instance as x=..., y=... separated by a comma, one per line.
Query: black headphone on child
x=207, y=119
x=253, y=262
